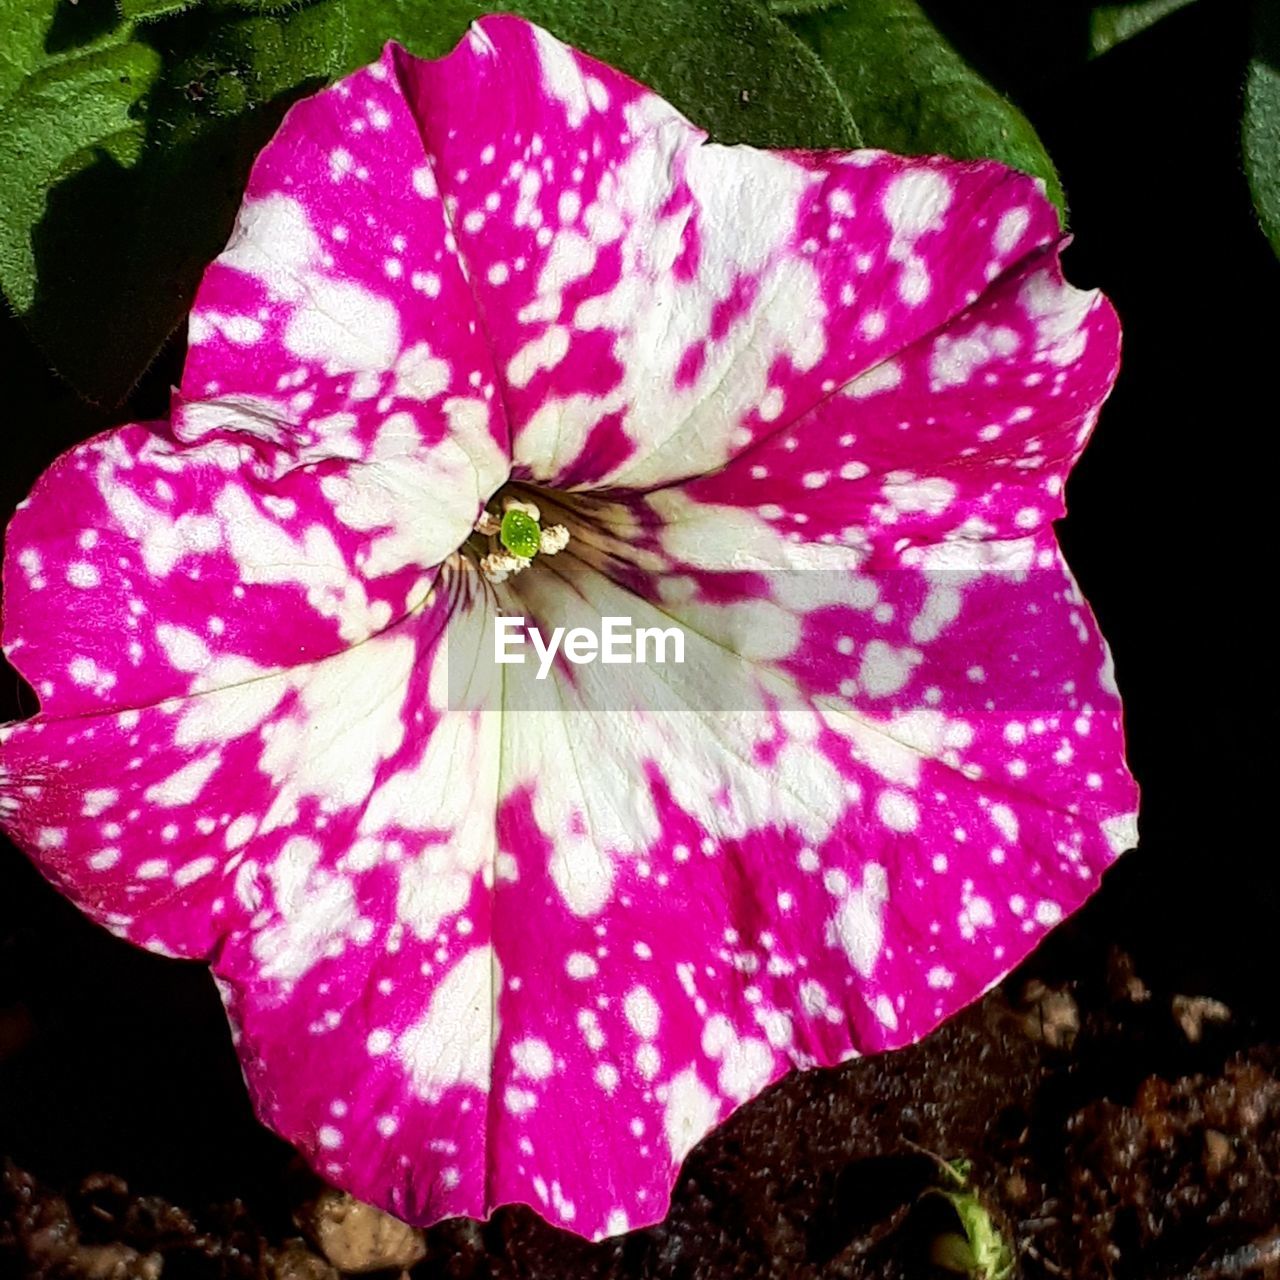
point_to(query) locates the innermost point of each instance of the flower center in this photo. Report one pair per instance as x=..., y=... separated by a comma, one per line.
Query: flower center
x=508, y=543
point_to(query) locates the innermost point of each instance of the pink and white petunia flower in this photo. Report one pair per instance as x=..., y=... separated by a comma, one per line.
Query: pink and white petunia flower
x=485, y=937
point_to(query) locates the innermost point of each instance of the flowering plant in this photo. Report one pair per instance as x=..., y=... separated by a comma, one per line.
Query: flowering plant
x=484, y=939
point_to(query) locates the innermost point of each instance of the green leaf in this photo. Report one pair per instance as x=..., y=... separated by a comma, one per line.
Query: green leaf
x=38, y=34
x=911, y=92
x=270, y=55
x=789, y=8
x=1261, y=131
x=952, y=1252
x=151, y=10
x=262, y=6
x=1113, y=24
x=729, y=65
x=992, y=1258
x=22, y=50
x=62, y=119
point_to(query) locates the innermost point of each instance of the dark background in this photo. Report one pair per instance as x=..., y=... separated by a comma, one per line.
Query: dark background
x=112, y=1058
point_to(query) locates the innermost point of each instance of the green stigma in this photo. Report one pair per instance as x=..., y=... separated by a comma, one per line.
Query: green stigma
x=520, y=533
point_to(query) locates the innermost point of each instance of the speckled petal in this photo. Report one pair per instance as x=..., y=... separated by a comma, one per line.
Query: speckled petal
x=142, y=568
x=965, y=435
x=373, y=952
x=167, y=823
x=743, y=867
x=655, y=302
x=340, y=302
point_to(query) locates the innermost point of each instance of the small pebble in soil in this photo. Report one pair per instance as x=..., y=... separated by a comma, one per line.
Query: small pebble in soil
x=1123, y=981
x=1051, y=1016
x=294, y=1261
x=1192, y=1012
x=1217, y=1152
x=356, y=1237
